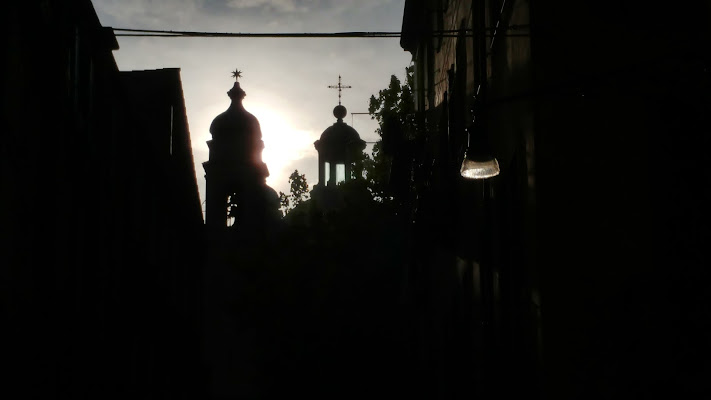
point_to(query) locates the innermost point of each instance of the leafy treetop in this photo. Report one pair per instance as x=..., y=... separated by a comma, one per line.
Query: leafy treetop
x=394, y=105
x=299, y=192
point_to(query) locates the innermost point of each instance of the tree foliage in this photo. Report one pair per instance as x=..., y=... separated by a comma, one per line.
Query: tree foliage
x=395, y=101
x=394, y=109
x=298, y=192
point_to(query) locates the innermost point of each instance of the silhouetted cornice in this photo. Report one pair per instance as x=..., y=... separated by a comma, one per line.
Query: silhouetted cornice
x=413, y=24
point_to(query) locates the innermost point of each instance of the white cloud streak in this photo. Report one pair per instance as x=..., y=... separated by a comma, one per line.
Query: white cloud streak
x=276, y=5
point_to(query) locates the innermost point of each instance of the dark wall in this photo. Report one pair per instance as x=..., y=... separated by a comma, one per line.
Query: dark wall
x=621, y=112
x=587, y=250
x=85, y=213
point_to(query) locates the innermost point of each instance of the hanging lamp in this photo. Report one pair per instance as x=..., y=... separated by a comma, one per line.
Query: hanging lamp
x=478, y=161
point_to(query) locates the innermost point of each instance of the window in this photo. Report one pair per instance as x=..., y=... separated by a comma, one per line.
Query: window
x=340, y=173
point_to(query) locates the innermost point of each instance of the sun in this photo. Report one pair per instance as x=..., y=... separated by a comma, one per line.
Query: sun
x=283, y=144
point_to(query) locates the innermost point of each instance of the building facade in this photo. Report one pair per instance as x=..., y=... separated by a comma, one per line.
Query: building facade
x=101, y=218
x=561, y=265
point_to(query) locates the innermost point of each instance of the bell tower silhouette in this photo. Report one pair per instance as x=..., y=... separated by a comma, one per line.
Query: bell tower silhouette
x=235, y=162
x=337, y=147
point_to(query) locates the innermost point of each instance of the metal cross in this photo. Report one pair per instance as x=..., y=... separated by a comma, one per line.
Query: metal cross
x=339, y=87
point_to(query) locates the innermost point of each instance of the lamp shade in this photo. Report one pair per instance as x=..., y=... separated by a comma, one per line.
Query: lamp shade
x=478, y=162
x=481, y=167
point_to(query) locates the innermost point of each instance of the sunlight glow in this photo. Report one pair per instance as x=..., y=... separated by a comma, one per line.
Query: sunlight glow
x=282, y=143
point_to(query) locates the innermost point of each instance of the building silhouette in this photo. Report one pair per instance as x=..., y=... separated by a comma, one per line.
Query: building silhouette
x=552, y=279
x=338, y=147
x=102, y=233
x=242, y=218
x=235, y=172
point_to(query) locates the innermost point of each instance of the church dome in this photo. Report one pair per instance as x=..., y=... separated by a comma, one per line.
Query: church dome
x=236, y=120
x=340, y=133
x=236, y=134
x=339, y=147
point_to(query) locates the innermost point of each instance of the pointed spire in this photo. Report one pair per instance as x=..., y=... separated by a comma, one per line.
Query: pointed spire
x=236, y=92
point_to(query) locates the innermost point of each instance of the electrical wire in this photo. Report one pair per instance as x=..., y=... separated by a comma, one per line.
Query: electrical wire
x=172, y=33
x=131, y=32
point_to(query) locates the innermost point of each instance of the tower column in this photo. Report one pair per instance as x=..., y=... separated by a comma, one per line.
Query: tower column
x=332, y=178
x=348, y=167
x=321, y=170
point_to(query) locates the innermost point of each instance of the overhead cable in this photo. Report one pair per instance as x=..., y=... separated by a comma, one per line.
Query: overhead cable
x=130, y=32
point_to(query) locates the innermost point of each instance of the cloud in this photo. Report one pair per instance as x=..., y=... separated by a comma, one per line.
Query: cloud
x=274, y=5
x=262, y=8
x=251, y=15
x=152, y=14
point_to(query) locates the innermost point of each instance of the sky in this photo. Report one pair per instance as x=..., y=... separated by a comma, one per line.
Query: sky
x=286, y=79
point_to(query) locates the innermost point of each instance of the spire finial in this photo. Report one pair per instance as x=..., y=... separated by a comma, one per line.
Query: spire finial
x=236, y=92
x=339, y=87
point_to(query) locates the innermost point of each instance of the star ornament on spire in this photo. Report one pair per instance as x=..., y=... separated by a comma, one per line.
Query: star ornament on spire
x=236, y=74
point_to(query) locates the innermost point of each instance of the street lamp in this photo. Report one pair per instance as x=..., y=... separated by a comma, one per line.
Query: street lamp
x=478, y=161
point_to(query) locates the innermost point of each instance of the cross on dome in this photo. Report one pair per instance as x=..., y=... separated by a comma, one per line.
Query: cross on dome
x=339, y=87
x=236, y=74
